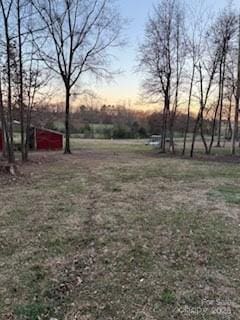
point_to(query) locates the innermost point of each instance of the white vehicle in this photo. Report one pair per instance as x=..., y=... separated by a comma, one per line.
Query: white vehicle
x=154, y=141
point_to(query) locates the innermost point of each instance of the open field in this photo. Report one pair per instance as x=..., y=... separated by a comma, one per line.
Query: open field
x=118, y=231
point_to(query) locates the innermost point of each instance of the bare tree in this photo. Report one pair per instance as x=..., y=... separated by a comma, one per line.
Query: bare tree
x=221, y=33
x=180, y=62
x=194, y=44
x=206, y=79
x=189, y=106
x=230, y=91
x=5, y=8
x=212, y=70
x=20, y=63
x=159, y=59
x=225, y=29
x=31, y=74
x=5, y=133
x=79, y=35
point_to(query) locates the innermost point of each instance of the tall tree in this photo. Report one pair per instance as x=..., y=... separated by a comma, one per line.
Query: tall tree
x=160, y=58
x=6, y=10
x=236, y=117
x=212, y=74
x=79, y=34
x=31, y=74
x=195, y=25
x=20, y=62
x=221, y=33
x=206, y=80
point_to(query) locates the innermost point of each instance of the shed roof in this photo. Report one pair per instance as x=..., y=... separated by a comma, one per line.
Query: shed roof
x=16, y=122
x=48, y=130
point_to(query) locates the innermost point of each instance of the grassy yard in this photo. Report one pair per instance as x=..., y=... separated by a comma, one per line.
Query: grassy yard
x=117, y=231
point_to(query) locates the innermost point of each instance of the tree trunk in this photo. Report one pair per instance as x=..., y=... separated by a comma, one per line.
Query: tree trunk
x=165, y=121
x=207, y=151
x=2, y=122
x=24, y=154
x=229, y=131
x=188, y=111
x=27, y=135
x=194, y=136
x=163, y=138
x=171, y=129
x=174, y=111
x=235, y=133
x=67, y=129
x=216, y=110
x=213, y=129
x=5, y=134
x=10, y=151
x=3, y=128
x=199, y=123
x=223, y=68
x=172, y=117
x=9, y=126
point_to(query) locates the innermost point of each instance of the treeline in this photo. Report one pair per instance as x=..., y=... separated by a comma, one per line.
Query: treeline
x=193, y=55
x=110, y=121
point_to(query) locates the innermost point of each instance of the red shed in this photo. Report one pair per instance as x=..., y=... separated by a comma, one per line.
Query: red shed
x=42, y=139
x=46, y=139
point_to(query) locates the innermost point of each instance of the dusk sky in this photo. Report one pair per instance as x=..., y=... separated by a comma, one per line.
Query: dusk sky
x=126, y=86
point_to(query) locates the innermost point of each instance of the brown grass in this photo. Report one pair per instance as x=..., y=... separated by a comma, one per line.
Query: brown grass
x=116, y=231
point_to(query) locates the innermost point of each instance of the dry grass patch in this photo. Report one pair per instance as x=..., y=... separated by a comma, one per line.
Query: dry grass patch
x=119, y=235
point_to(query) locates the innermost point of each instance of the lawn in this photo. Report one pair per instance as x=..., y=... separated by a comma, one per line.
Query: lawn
x=118, y=231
